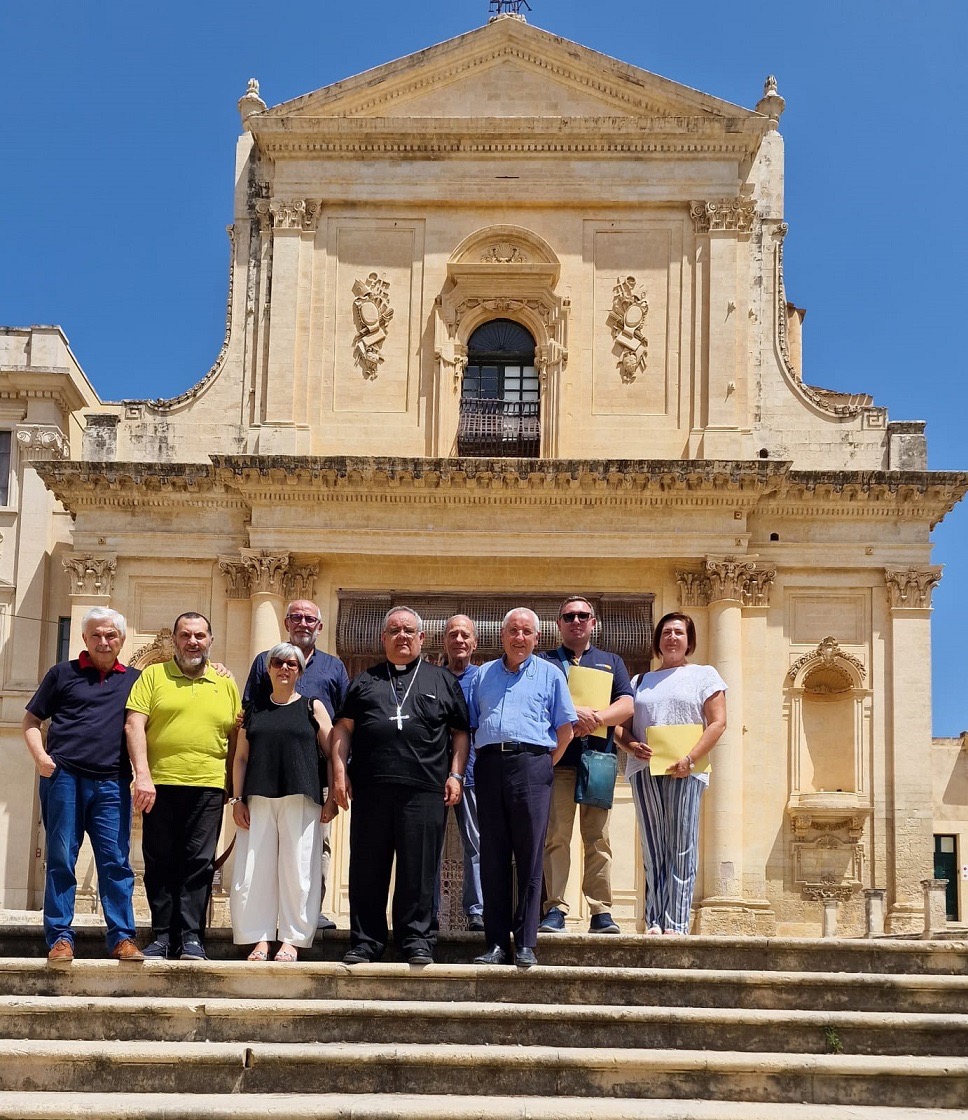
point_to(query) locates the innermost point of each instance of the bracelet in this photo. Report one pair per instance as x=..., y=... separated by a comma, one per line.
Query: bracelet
x=459, y=777
x=235, y=800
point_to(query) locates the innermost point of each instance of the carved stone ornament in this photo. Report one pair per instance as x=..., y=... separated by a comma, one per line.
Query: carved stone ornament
x=726, y=578
x=42, y=442
x=626, y=321
x=823, y=892
x=267, y=571
x=828, y=668
x=372, y=314
x=297, y=213
x=912, y=588
x=160, y=650
x=237, y=577
x=504, y=252
x=729, y=215
x=299, y=582
x=91, y=575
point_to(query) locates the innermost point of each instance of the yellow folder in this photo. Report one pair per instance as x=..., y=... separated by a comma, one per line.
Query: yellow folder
x=672, y=742
x=590, y=688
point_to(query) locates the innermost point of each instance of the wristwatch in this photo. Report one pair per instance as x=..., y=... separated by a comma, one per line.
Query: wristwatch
x=459, y=777
x=235, y=800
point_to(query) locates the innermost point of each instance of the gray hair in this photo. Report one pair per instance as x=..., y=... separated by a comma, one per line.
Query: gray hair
x=523, y=610
x=285, y=650
x=404, y=610
x=105, y=614
x=466, y=617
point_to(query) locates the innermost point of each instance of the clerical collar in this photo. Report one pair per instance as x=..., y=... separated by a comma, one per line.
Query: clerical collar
x=403, y=668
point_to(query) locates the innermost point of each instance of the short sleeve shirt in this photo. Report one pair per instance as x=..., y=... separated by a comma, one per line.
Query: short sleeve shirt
x=592, y=658
x=86, y=711
x=189, y=722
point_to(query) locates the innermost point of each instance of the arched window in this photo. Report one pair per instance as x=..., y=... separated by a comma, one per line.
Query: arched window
x=499, y=407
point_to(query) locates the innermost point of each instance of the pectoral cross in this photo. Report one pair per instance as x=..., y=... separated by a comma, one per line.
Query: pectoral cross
x=399, y=717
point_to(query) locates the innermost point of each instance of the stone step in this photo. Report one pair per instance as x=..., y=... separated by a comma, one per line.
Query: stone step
x=209, y=1019
x=927, y=993
x=405, y=1106
x=507, y=1071
x=626, y=950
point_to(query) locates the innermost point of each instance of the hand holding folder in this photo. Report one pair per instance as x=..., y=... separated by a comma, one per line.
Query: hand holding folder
x=671, y=742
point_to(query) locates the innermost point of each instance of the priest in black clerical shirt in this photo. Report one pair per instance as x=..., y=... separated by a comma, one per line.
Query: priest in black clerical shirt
x=400, y=748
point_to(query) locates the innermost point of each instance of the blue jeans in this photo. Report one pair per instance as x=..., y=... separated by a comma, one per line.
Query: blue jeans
x=72, y=805
x=470, y=834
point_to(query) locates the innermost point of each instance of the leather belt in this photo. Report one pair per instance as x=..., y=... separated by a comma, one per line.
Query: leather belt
x=514, y=747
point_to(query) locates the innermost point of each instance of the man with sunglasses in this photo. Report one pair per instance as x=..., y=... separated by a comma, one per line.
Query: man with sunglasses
x=324, y=679
x=576, y=622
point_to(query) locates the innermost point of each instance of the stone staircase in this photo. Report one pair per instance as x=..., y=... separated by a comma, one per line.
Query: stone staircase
x=604, y=1027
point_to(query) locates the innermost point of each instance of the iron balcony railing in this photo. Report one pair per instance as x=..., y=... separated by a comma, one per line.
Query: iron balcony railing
x=501, y=429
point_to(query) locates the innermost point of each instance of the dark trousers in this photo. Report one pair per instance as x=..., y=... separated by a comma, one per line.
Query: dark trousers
x=394, y=821
x=178, y=841
x=513, y=804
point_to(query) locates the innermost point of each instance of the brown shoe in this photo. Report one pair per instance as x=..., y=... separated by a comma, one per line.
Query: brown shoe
x=61, y=952
x=126, y=950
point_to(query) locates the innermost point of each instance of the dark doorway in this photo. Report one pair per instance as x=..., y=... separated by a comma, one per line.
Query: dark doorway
x=946, y=867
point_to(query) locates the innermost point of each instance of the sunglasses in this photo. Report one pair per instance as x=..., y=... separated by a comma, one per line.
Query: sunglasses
x=278, y=663
x=576, y=616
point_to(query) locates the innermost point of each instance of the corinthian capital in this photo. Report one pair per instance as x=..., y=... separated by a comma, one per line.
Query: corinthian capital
x=299, y=582
x=267, y=571
x=237, y=577
x=91, y=575
x=732, y=215
x=726, y=578
x=911, y=588
x=295, y=213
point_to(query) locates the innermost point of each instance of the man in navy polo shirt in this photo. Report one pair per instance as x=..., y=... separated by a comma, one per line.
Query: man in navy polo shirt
x=576, y=623
x=85, y=783
x=325, y=679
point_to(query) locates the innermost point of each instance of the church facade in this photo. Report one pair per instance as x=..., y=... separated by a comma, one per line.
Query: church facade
x=507, y=321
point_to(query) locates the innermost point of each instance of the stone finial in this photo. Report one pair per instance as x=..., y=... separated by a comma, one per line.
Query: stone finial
x=771, y=104
x=251, y=102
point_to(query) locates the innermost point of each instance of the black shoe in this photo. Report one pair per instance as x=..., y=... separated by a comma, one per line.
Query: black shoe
x=525, y=958
x=159, y=949
x=475, y=924
x=192, y=949
x=358, y=955
x=420, y=956
x=494, y=955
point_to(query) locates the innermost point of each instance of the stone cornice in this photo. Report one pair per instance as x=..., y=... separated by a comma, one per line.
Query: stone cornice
x=238, y=481
x=475, y=136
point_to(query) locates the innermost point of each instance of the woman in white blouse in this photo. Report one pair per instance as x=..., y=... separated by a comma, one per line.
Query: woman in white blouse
x=667, y=804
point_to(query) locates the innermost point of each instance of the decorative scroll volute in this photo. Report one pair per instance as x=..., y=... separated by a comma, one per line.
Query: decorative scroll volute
x=726, y=578
x=267, y=571
x=237, y=577
x=41, y=442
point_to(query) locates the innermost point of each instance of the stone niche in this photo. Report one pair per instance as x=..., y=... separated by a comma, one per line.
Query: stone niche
x=829, y=801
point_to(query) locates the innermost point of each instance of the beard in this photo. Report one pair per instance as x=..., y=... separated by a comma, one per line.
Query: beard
x=190, y=660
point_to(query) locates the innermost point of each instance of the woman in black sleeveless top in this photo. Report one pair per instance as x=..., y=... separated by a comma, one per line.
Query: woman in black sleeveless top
x=276, y=781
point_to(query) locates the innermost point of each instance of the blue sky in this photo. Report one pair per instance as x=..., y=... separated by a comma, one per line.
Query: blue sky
x=120, y=129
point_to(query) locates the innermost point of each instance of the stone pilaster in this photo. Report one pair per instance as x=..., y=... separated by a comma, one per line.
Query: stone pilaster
x=910, y=818
x=267, y=572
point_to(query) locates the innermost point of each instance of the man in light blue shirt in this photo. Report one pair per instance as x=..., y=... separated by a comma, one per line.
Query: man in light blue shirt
x=525, y=719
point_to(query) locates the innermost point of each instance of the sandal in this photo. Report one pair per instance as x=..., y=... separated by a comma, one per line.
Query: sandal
x=286, y=954
x=259, y=953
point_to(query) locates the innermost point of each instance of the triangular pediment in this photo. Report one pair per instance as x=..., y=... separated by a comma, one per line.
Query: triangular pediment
x=505, y=69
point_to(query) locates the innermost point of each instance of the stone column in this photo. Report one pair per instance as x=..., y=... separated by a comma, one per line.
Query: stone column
x=267, y=571
x=727, y=585
x=874, y=911
x=935, y=906
x=909, y=823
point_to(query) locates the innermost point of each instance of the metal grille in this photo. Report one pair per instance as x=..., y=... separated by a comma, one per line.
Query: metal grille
x=624, y=622
x=499, y=429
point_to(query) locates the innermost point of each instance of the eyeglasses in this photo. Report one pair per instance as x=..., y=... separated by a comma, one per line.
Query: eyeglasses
x=398, y=631
x=520, y=632
x=311, y=619
x=278, y=663
x=576, y=616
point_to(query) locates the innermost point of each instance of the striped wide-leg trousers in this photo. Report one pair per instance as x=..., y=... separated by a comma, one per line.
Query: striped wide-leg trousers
x=668, y=814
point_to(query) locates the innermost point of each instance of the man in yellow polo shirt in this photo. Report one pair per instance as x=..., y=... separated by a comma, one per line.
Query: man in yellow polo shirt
x=181, y=730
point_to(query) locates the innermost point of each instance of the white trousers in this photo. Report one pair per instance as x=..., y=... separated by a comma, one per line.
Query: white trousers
x=276, y=881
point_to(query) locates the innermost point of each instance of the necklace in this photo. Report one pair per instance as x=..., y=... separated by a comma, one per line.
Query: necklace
x=400, y=717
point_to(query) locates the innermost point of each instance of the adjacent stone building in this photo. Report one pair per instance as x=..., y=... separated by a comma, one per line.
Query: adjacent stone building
x=506, y=321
